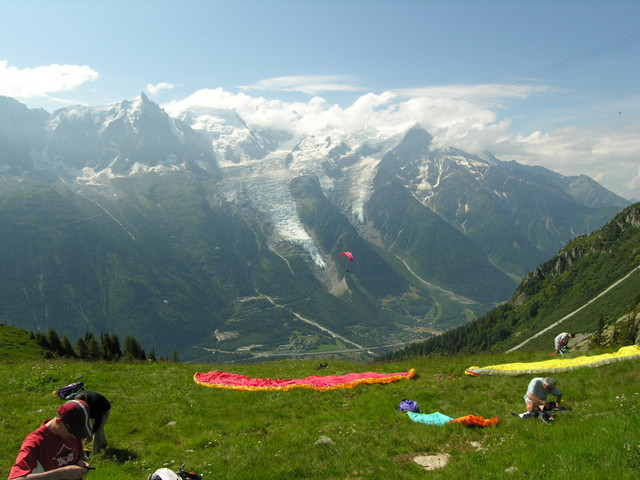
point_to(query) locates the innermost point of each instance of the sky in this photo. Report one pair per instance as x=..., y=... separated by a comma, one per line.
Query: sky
x=550, y=83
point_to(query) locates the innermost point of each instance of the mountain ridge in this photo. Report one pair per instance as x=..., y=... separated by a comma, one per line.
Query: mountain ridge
x=206, y=217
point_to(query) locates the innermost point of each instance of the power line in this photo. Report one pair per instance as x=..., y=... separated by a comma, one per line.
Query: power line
x=546, y=71
x=42, y=230
x=583, y=57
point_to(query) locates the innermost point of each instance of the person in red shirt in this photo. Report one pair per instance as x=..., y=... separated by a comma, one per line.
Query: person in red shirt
x=54, y=451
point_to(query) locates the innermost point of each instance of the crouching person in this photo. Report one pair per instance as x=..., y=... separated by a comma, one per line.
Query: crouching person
x=100, y=409
x=54, y=450
x=536, y=398
x=561, y=342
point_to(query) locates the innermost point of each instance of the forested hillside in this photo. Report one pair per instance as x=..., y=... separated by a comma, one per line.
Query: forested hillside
x=567, y=283
x=16, y=344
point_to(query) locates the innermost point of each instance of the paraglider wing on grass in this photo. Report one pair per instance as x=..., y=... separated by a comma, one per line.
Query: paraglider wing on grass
x=439, y=419
x=476, y=421
x=220, y=379
x=558, y=364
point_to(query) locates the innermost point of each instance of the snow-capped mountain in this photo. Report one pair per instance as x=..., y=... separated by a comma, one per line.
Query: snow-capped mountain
x=243, y=228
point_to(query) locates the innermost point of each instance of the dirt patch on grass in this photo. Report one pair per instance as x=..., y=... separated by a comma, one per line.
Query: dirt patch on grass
x=428, y=461
x=442, y=377
x=432, y=461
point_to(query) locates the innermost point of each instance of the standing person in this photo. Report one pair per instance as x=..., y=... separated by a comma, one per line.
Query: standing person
x=562, y=342
x=100, y=409
x=54, y=450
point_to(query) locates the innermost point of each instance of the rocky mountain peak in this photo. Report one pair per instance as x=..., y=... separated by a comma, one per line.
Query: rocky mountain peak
x=230, y=210
x=416, y=143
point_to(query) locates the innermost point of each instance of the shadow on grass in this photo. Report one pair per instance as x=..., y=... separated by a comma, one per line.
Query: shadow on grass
x=119, y=455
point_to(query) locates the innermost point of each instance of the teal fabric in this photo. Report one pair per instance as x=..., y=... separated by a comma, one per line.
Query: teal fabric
x=436, y=418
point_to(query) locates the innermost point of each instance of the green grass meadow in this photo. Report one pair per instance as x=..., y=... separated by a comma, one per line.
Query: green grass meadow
x=161, y=417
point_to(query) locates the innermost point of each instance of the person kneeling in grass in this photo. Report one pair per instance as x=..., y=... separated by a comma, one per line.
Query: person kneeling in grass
x=536, y=397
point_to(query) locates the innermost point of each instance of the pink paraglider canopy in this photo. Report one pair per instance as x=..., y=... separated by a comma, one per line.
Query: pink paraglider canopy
x=349, y=255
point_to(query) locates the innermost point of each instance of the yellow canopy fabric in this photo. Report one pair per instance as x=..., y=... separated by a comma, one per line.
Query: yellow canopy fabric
x=557, y=364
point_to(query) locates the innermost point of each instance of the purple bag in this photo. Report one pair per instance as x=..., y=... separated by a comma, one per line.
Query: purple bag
x=409, y=406
x=68, y=390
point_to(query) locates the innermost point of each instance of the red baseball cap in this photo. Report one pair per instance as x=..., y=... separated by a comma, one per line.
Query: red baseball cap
x=75, y=415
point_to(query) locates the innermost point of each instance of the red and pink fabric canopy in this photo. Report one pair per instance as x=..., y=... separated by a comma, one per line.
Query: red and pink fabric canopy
x=233, y=381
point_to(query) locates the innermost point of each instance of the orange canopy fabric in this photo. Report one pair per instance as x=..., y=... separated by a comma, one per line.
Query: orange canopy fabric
x=233, y=381
x=440, y=419
x=475, y=421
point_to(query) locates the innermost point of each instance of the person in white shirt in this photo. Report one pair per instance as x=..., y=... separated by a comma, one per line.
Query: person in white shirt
x=562, y=342
x=536, y=397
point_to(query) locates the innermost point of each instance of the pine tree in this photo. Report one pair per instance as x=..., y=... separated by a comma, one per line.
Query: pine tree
x=54, y=342
x=629, y=331
x=132, y=349
x=115, y=346
x=81, y=349
x=110, y=346
x=67, y=348
x=88, y=336
x=105, y=349
x=93, y=349
x=41, y=340
x=616, y=336
x=598, y=339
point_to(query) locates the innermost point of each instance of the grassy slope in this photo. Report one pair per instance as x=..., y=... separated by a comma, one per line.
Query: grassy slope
x=17, y=344
x=227, y=434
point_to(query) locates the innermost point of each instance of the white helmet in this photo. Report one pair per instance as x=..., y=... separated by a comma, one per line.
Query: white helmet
x=164, y=474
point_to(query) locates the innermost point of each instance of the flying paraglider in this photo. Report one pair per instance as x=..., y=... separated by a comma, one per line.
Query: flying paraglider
x=349, y=255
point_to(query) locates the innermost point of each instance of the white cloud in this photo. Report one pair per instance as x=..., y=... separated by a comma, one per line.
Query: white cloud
x=634, y=182
x=451, y=120
x=608, y=155
x=307, y=84
x=465, y=117
x=155, y=89
x=43, y=80
x=473, y=92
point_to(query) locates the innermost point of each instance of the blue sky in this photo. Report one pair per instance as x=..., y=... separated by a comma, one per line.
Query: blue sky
x=552, y=83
